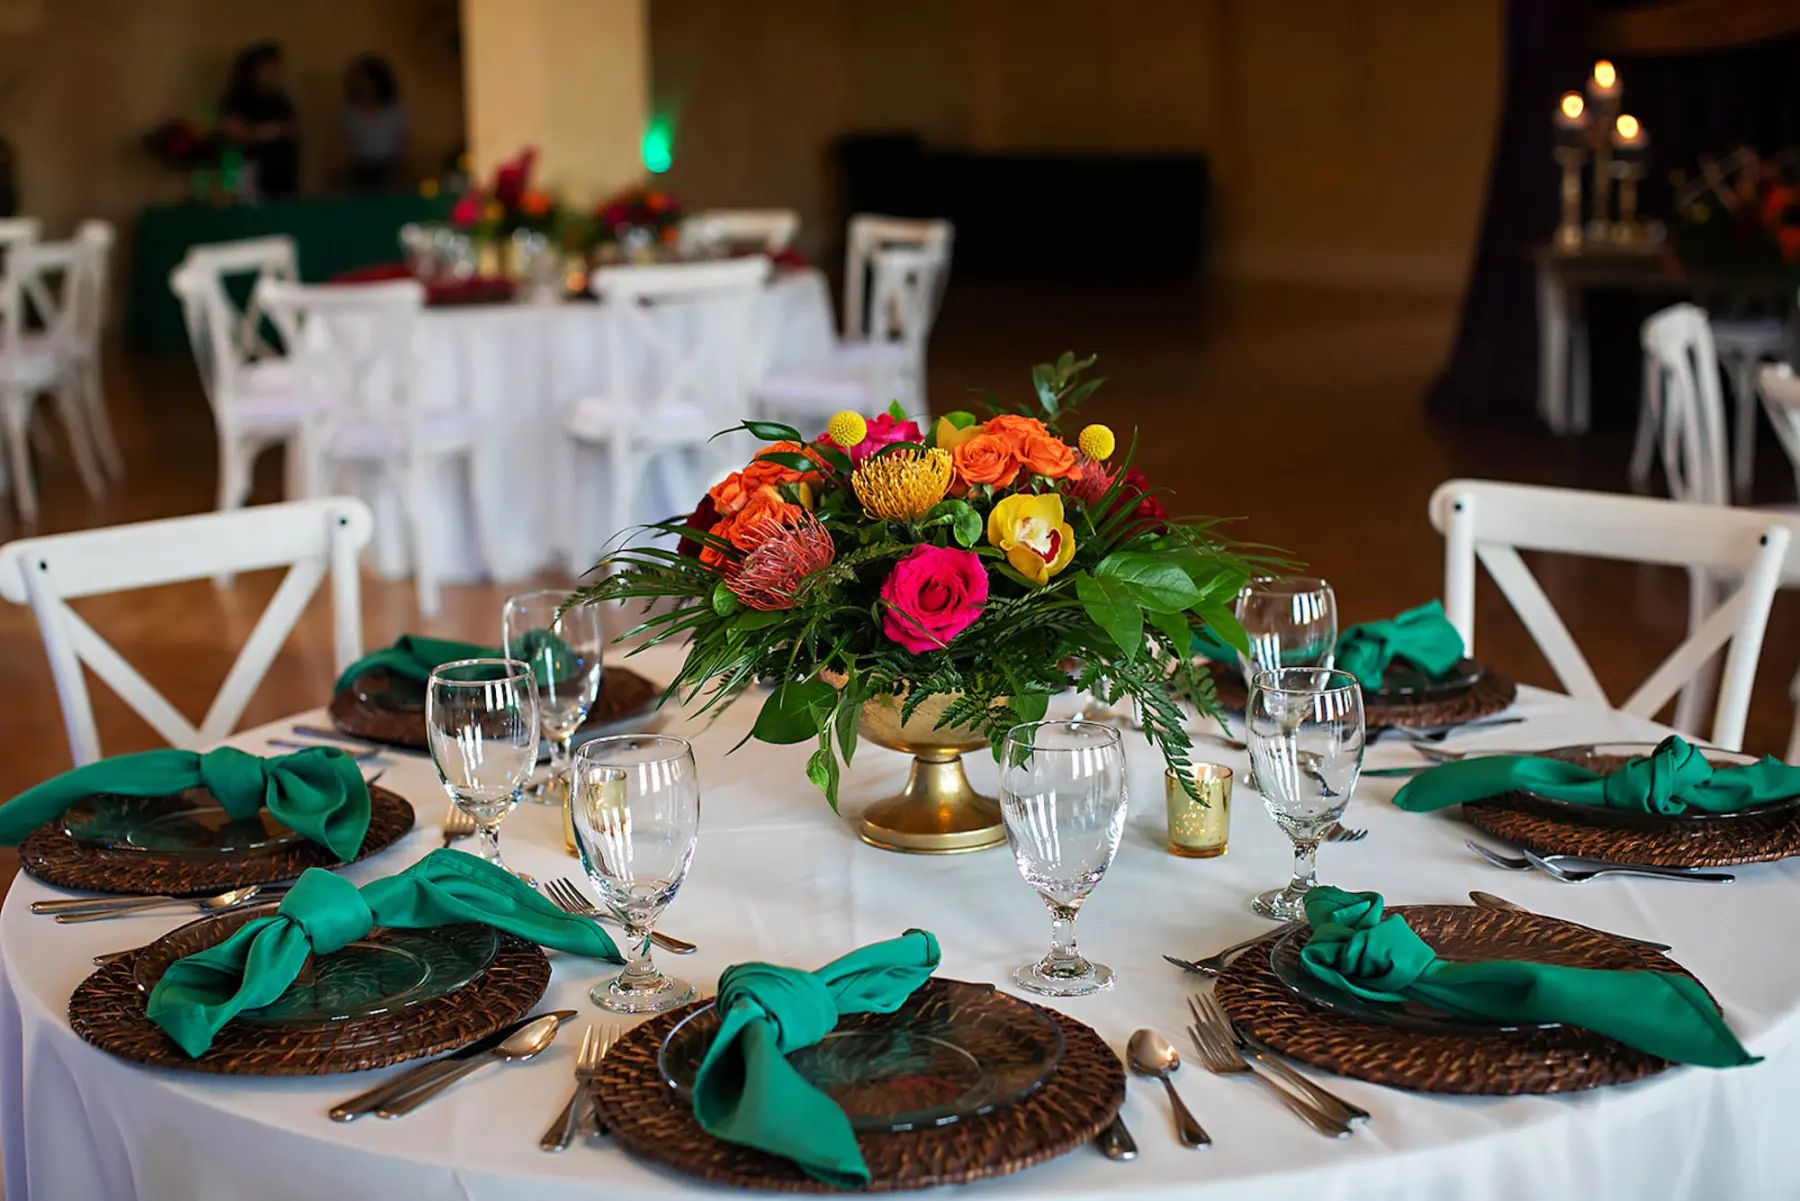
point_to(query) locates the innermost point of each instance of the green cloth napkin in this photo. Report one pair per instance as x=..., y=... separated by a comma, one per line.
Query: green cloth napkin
x=325, y=912
x=414, y=657
x=746, y=1092
x=1423, y=637
x=1670, y=780
x=1661, y=1013
x=318, y=792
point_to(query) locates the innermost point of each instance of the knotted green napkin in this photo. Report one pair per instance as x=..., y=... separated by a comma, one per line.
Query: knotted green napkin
x=1661, y=1013
x=1423, y=637
x=1670, y=780
x=746, y=1092
x=414, y=657
x=318, y=792
x=325, y=912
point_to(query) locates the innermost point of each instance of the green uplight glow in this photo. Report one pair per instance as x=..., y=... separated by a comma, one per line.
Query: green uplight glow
x=656, y=148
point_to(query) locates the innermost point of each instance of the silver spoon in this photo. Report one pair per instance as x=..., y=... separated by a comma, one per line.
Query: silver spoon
x=1150, y=1054
x=215, y=904
x=522, y=1045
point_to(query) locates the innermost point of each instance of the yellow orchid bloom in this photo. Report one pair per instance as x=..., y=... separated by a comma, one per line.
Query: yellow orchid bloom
x=1031, y=530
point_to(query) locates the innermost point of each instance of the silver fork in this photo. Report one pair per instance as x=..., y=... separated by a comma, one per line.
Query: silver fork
x=594, y=1046
x=1215, y=963
x=1328, y=1102
x=1561, y=867
x=292, y=744
x=570, y=899
x=1220, y=1057
x=457, y=825
x=1342, y=833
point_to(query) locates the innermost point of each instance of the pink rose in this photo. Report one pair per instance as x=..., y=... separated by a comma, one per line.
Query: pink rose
x=882, y=430
x=467, y=211
x=933, y=594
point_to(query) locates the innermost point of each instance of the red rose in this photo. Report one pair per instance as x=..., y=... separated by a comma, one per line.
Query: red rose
x=703, y=518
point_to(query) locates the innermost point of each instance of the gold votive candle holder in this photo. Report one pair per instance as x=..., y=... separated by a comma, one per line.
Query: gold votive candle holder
x=1199, y=831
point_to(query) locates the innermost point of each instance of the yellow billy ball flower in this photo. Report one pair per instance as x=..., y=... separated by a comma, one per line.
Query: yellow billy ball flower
x=1097, y=443
x=847, y=429
x=902, y=485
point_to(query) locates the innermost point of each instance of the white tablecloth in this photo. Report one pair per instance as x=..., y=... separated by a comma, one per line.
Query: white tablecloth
x=777, y=877
x=523, y=365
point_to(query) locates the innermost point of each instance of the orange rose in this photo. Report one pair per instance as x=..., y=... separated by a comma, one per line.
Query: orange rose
x=732, y=493
x=745, y=528
x=1048, y=455
x=986, y=460
x=1014, y=429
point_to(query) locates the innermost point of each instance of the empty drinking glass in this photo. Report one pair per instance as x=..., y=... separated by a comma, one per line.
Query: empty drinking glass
x=1062, y=796
x=636, y=804
x=564, y=650
x=1304, y=726
x=481, y=723
x=1290, y=622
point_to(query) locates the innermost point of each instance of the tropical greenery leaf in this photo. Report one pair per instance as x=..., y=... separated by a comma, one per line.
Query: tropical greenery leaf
x=795, y=712
x=1154, y=582
x=1112, y=607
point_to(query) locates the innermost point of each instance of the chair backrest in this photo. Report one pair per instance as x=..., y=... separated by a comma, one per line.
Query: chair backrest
x=1681, y=371
x=19, y=229
x=681, y=333
x=1491, y=523
x=908, y=286
x=869, y=233
x=98, y=237
x=55, y=279
x=225, y=336
x=354, y=346
x=1780, y=391
x=310, y=537
x=771, y=230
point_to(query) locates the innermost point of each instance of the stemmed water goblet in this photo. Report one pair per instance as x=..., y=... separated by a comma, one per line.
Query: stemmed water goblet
x=481, y=723
x=1290, y=621
x=635, y=800
x=1304, y=727
x=564, y=648
x=1062, y=797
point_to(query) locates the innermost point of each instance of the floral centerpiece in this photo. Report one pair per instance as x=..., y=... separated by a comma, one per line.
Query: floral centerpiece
x=1741, y=213
x=641, y=214
x=508, y=205
x=962, y=566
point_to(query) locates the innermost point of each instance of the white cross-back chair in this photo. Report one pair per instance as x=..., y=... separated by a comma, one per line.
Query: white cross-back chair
x=356, y=347
x=87, y=336
x=769, y=230
x=1490, y=523
x=1780, y=391
x=312, y=538
x=679, y=358
x=1743, y=344
x=256, y=398
x=906, y=286
x=47, y=278
x=869, y=234
x=1684, y=407
x=14, y=230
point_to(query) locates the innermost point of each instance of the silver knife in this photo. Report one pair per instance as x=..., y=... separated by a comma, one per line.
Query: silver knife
x=405, y=1082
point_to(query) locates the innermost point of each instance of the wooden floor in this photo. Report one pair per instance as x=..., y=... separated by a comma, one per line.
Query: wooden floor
x=1299, y=411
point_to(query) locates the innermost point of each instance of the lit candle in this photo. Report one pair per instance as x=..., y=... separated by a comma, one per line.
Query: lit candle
x=1572, y=112
x=1629, y=134
x=1604, y=83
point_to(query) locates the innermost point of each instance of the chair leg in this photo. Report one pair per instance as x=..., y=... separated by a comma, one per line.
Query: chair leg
x=236, y=458
x=15, y=411
x=1695, y=699
x=81, y=440
x=415, y=499
x=1743, y=387
x=100, y=421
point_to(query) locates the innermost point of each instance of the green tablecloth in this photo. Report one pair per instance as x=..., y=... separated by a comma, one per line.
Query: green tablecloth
x=333, y=233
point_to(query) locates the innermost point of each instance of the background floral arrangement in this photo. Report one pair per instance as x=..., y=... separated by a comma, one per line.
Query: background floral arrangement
x=510, y=203
x=974, y=559
x=635, y=208
x=1740, y=213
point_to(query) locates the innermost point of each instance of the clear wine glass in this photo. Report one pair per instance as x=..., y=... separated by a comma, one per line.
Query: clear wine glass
x=636, y=804
x=481, y=722
x=1305, y=729
x=1291, y=621
x=565, y=650
x=1062, y=797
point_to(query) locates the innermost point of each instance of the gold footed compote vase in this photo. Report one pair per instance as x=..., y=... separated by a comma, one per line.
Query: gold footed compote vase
x=938, y=813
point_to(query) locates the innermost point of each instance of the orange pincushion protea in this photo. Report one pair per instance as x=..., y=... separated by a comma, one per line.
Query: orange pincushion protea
x=788, y=550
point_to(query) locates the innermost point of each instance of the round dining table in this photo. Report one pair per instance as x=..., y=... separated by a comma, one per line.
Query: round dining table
x=779, y=877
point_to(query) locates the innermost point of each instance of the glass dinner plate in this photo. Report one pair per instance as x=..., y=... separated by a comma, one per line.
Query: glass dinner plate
x=1284, y=960
x=1404, y=682
x=1610, y=756
x=385, y=970
x=393, y=694
x=189, y=826
x=955, y=1050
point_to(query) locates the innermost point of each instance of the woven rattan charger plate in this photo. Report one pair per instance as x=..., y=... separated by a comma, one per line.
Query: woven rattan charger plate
x=1073, y=1106
x=624, y=694
x=1551, y=829
x=1561, y=1060
x=1489, y=695
x=107, y=1009
x=49, y=854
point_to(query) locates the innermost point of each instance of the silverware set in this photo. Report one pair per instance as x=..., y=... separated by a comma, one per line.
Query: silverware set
x=1572, y=869
x=570, y=899
x=92, y=909
x=1222, y=1052
x=518, y=1041
x=1150, y=1054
